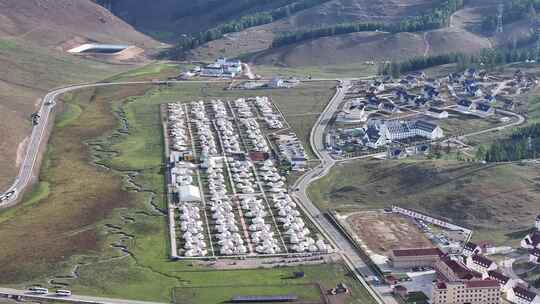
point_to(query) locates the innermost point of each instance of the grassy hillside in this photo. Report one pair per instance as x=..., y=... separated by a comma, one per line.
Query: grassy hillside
x=498, y=201
x=56, y=23
x=33, y=37
x=27, y=72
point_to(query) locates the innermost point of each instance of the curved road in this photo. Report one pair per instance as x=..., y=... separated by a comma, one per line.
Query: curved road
x=26, y=171
x=346, y=249
x=37, y=143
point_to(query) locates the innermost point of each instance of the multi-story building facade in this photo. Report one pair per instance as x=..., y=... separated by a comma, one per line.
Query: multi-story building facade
x=417, y=257
x=467, y=292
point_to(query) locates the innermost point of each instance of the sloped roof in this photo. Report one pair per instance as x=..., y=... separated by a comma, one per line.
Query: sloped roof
x=501, y=278
x=471, y=246
x=524, y=293
x=417, y=252
x=425, y=126
x=482, y=284
x=481, y=260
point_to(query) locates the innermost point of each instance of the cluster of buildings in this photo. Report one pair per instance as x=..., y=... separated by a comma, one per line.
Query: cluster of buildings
x=481, y=109
x=222, y=67
x=191, y=227
x=380, y=133
x=531, y=242
x=291, y=151
x=275, y=82
x=353, y=111
x=456, y=283
x=228, y=197
x=272, y=119
x=186, y=196
x=471, y=277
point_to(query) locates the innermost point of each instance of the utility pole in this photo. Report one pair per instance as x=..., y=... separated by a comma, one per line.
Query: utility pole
x=500, y=11
x=537, y=28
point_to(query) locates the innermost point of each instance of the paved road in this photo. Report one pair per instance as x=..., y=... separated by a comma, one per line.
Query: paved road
x=74, y=298
x=349, y=253
x=37, y=138
x=36, y=143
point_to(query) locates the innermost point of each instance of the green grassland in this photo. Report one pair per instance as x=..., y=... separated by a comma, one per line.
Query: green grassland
x=27, y=72
x=222, y=294
x=458, y=123
x=102, y=189
x=499, y=201
x=156, y=70
x=353, y=70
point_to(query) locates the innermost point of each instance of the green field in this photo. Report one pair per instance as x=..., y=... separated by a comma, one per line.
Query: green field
x=498, y=201
x=221, y=294
x=353, y=70
x=27, y=72
x=458, y=123
x=102, y=187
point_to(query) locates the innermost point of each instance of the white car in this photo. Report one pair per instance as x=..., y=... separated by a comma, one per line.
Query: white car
x=38, y=290
x=63, y=293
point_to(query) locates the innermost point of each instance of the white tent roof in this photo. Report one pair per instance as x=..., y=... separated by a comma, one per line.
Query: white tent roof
x=189, y=193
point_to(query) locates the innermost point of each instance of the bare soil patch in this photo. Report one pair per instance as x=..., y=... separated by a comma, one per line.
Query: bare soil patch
x=384, y=232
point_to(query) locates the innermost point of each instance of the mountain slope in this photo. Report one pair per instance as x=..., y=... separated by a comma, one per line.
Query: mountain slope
x=55, y=22
x=170, y=18
x=33, y=37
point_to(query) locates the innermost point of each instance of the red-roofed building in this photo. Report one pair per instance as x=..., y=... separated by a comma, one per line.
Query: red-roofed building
x=401, y=291
x=451, y=270
x=520, y=295
x=415, y=257
x=467, y=292
x=481, y=264
x=506, y=282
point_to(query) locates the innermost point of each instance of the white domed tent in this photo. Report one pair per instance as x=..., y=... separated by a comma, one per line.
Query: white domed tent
x=189, y=193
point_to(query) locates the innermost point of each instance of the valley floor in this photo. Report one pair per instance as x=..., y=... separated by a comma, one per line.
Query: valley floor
x=95, y=222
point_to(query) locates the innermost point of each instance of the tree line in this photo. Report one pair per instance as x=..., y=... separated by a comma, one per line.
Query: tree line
x=186, y=42
x=433, y=19
x=201, y=8
x=524, y=143
x=487, y=58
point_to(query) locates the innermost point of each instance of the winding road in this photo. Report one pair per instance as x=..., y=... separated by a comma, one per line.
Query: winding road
x=349, y=253
x=346, y=249
x=37, y=143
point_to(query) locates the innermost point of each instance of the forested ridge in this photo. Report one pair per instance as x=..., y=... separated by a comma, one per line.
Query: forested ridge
x=433, y=19
x=190, y=42
x=487, y=58
x=524, y=143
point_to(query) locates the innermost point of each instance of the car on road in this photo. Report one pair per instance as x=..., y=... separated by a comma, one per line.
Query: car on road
x=38, y=290
x=7, y=196
x=63, y=293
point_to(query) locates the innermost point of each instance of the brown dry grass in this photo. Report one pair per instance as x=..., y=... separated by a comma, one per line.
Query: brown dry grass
x=55, y=22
